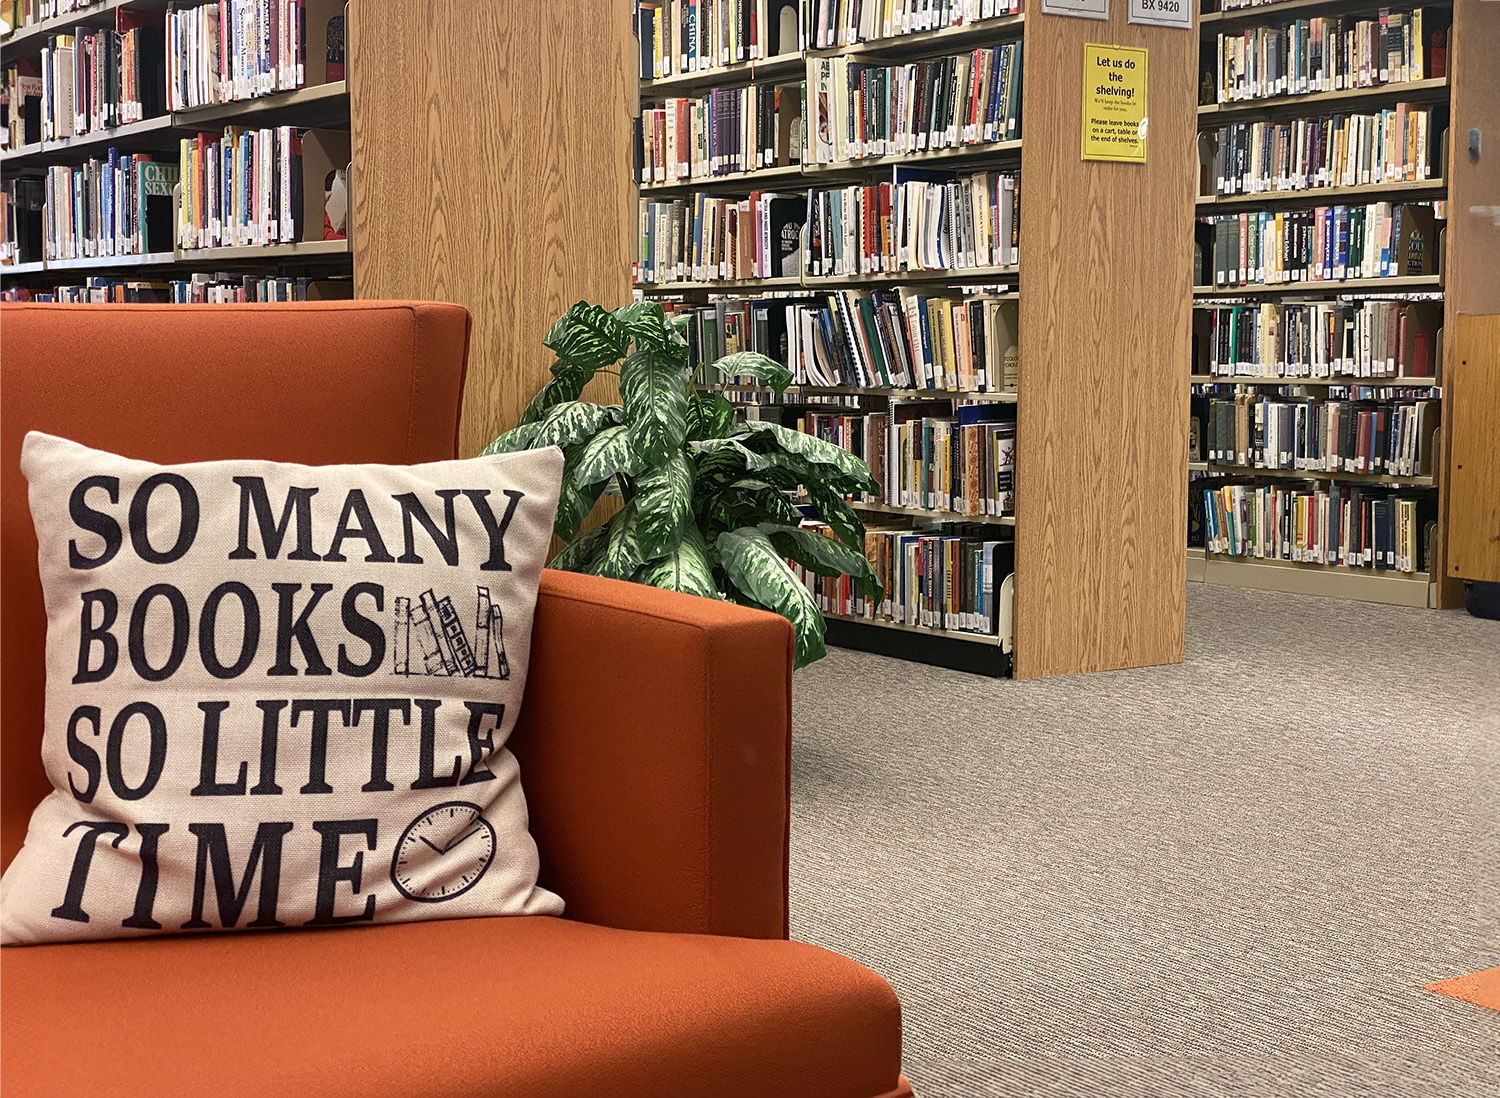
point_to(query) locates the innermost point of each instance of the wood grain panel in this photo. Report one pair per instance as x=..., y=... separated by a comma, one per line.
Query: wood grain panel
x=1472, y=257
x=1106, y=319
x=1473, y=481
x=492, y=163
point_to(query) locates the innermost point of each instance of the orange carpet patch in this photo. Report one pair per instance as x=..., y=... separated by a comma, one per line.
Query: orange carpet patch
x=1481, y=988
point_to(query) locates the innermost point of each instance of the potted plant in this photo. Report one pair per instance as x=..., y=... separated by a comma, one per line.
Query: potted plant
x=705, y=497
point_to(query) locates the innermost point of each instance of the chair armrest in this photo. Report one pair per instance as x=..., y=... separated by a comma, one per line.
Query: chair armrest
x=654, y=743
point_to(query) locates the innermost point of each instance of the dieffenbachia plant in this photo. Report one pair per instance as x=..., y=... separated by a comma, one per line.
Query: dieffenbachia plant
x=705, y=504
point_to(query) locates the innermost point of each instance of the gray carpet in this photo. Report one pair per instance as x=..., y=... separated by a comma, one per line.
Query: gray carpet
x=1229, y=877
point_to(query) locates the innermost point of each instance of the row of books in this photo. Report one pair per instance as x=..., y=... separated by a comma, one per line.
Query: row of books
x=859, y=111
x=231, y=50
x=923, y=221
x=199, y=289
x=118, y=205
x=1320, y=54
x=880, y=339
x=1325, y=436
x=721, y=132
x=687, y=36
x=1354, y=525
x=241, y=187
x=1368, y=339
x=93, y=79
x=27, y=13
x=23, y=202
x=947, y=581
x=682, y=36
x=1389, y=146
x=833, y=23
x=1329, y=243
x=705, y=239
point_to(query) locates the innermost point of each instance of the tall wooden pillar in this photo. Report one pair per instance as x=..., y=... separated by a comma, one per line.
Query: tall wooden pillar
x=491, y=168
x=1105, y=351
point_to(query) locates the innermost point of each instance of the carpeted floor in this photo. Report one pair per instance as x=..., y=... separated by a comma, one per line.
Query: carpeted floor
x=1230, y=877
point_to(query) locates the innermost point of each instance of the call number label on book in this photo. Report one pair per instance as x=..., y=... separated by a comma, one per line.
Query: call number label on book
x=1114, y=103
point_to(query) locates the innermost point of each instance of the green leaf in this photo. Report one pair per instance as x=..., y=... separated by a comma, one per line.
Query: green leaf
x=813, y=449
x=686, y=568
x=586, y=338
x=622, y=554
x=582, y=554
x=575, y=499
x=833, y=509
x=517, y=438
x=821, y=554
x=664, y=505
x=653, y=387
x=710, y=416
x=606, y=454
x=756, y=365
x=757, y=500
x=749, y=459
x=647, y=322
x=568, y=424
x=755, y=567
x=562, y=389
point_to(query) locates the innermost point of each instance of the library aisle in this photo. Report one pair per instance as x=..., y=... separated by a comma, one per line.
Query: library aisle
x=1228, y=877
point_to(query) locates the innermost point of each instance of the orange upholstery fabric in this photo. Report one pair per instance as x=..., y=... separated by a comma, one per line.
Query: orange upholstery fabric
x=654, y=752
x=469, y=1007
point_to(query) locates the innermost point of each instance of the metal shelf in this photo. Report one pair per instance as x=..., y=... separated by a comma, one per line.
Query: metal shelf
x=150, y=134
x=1325, y=196
x=1311, y=474
x=878, y=391
x=96, y=15
x=928, y=513
x=744, y=181
x=724, y=76
x=949, y=634
x=1325, y=287
x=323, y=106
x=1272, y=11
x=1359, y=382
x=1407, y=91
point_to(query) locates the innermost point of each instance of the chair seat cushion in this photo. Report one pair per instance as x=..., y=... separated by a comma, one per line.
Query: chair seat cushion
x=535, y=1006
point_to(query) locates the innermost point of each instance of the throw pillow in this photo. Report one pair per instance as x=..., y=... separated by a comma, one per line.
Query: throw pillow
x=279, y=695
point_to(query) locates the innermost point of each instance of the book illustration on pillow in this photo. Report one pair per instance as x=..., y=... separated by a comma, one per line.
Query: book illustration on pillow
x=429, y=638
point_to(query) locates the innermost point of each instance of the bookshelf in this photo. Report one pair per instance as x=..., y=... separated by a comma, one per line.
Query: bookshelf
x=106, y=248
x=1455, y=260
x=1098, y=565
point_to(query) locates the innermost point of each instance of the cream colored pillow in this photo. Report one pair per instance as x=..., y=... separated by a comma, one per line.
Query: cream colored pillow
x=279, y=695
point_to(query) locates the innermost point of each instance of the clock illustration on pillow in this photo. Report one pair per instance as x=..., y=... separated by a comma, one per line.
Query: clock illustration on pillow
x=443, y=853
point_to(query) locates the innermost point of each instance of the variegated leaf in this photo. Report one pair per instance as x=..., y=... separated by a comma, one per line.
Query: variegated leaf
x=834, y=509
x=562, y=389
x=575, y=499
x=813, y=449
x=755, y=567
x=664, y=505
x=569, y=424
x=583, y=553
x=653, y=387
x=823, y=555
x=753, y=364
x=622, y=553
x=686, y=568
x=517, y=438
x=587, y=338
x=710, y=416
x=606, y=454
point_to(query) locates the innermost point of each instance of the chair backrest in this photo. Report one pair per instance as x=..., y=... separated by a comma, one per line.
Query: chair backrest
x=317, y=383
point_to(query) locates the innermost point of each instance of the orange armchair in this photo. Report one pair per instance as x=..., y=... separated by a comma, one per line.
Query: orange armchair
x=653, y=746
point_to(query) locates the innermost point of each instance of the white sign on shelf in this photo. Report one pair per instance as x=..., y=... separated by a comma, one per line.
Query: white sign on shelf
x=1163, y=13
x=1082, y=9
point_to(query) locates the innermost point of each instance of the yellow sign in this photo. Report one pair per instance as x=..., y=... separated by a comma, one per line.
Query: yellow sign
x=1114, y=103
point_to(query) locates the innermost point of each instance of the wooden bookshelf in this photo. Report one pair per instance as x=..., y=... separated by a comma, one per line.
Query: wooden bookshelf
x=1465, y=280
x=1097, y=587
x=320, y=106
